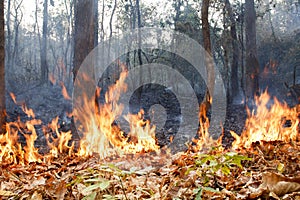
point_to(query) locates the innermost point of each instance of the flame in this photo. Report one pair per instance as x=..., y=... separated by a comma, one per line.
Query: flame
x=279, y=122
x=52, y=79
x=270, y=68
x=64, y=91
x=205, y=140
x=12, y=151
x=59, y=144
x=27, y=111
x=101, y=132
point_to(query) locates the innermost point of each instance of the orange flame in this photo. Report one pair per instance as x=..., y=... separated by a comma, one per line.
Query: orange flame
x=64, y=91
x=102, y=135
x=268, y=124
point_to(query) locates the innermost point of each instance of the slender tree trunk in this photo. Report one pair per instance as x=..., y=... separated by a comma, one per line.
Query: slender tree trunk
x=111, y=27
x=226, y=52
x=138, y=10
x=8, y=47
x=84, y=38
x=102, y=21
x=207, y=47
x=72, y=35
x=17, y=23
x=16, y=40
x=132, y=26
x=96, y=23
x=44, y=64
x=234, y=85
x=67, y=59
x=37, y=29
x=241, y=42
x=139, y=51
x=2, y=70
x=252, y=65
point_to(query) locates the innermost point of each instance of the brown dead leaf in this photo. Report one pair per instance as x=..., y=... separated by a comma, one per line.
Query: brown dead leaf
x=61, y=190
x=36, y=196
x=39, y=181
x=279, y=184
x=4, y=193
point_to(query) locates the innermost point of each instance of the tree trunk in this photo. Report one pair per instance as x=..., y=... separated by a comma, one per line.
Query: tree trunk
x=252, y=65
x=9, y=35
x=67, y=58
x=138, y=10
x=84, y=38
x=44, y=64
x=102, y=22
x=96, y=24
x=234, y=85
x=207, y=47
x=2, y=70
x=17, y=23
x=37, y=31
x=132, y=26
x=111, y=27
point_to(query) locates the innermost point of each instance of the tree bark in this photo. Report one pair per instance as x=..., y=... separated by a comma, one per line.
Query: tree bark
x=96, y=23
x=234, y=85
x=9, y=35
x=138, y=10
x=111, y=27
x=207, y=47
x=252, y=65
x=84, y=36
x=2, y=70
x=44, y=64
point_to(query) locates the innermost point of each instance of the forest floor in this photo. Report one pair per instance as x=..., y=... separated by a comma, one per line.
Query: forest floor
x=267, y=170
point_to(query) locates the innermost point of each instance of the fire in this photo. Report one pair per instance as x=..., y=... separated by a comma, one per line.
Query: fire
x=103, y=135
x=64, y=91
x=205, y=140
x=278, y=122
x=59, y=144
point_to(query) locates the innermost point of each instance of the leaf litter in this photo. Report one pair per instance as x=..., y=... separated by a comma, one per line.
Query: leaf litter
x=268, y=170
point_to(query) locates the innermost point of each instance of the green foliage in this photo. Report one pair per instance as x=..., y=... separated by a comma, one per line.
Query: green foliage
x=212, y=163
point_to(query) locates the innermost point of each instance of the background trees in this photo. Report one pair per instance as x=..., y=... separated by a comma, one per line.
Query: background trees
x=44, y=41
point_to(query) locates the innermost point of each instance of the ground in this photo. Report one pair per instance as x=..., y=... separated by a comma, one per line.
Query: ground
x=266, y=170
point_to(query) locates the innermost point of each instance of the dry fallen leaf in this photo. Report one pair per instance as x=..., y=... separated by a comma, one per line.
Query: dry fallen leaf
x=36, y=196
x=279, y=184
x=6, y=193
x=39, y=181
